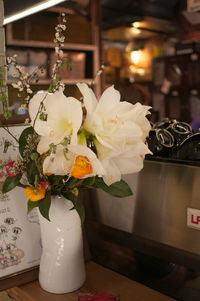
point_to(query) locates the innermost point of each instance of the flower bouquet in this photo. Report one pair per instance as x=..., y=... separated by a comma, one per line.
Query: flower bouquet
x=63, y=151
x=70, y=145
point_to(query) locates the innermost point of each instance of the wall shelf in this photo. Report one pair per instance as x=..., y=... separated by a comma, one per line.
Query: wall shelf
x=30, y=39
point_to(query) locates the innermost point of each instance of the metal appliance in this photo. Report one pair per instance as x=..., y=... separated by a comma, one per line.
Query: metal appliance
x=158, y=228
x=164, y=193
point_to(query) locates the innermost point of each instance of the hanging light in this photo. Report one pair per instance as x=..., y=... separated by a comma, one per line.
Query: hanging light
x=136, y=56
x=31, y=10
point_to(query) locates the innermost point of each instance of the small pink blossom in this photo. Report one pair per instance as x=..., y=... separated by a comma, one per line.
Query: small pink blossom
x=45, y=184
x=104, y=297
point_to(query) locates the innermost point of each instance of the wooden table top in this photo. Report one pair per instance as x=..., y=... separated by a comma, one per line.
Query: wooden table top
x=98, y=280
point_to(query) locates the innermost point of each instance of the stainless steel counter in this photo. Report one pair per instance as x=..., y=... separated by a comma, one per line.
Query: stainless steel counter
x=163, y=192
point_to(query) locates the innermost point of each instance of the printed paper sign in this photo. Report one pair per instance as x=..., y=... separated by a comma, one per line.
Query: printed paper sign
x=20, y=247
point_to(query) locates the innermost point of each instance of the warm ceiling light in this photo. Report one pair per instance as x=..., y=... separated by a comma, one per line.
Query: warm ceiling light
x=135, y=31
x=136, y=56
x=34, y=9
x=136, y=24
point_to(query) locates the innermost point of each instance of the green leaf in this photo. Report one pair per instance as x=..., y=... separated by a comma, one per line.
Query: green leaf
x=3, y=97
x=58, y=77
x=78, y=205
x=10, y=183
x=81, y=211
x=21, y=185
x=50, y=89
x=23, y=139
x=44, y=206
x=70, y=196
x=6, y=145
x=74, y=182
x=69, y=63
x=32, y=172
x=52, y=148
x=7, y=115
x=118, y=189
x=43, y=116
x=31, y=205
x=88, y=182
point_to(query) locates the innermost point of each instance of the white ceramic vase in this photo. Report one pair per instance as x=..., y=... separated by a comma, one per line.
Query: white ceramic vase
x=62, y=267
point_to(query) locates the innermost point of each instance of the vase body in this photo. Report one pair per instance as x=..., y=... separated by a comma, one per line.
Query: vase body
x=62, y=267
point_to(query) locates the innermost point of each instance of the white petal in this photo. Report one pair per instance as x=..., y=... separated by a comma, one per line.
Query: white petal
x=129, y=165
x=89, y=98
x=112, y=172
x=109, y=100
x=43, y=145
x=64, y=117
x=57, y=163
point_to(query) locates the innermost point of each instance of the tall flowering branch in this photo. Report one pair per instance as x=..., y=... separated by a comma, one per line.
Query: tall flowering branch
x=55, y=78
x=98, y=73
x=59, y=43
x=24, y=79
x=4, y=101
x=3, y=93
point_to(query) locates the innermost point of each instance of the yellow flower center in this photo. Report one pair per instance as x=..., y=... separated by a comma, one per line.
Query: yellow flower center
x=111, y=179
x=82, y=167
x=51, y=134
x=65, y=126
x=33, y=194
x=115, y=120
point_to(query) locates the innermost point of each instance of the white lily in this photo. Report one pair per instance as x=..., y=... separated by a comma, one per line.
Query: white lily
x=120, y=129
x=129, y=161
x=64, y=118
x=64, y=164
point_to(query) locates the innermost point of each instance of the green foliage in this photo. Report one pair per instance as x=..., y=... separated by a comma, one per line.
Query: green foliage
x=7, y=115
x=10, y=183
x=3, y=94
x=63, y=186
x=31, y=205
x=44, y=205
x=32, y=172
x=23, y=140
x=69, y=63
x=51, y=88
x=6, y=145
x=52, y=148
x=118, y=189
x=43, y=116
x=77, y=204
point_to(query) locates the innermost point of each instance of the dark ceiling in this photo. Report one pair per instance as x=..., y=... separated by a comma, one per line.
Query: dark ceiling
x=123, y=12
x=115, y=13
x=13, y=6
